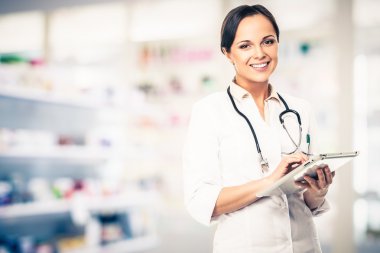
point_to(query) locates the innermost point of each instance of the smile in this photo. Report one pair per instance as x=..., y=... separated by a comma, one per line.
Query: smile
x=260, y=66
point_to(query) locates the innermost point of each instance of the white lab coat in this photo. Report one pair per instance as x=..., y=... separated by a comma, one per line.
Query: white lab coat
x=220, y=151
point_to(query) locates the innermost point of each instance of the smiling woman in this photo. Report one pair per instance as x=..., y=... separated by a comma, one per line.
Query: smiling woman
x=250, y=41
x=254, y=51
x=222, y=175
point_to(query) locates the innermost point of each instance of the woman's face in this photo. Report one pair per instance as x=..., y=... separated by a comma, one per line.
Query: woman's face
x=254, y=50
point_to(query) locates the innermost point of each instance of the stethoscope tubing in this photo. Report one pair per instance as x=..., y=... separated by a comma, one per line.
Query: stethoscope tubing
x=247, y=120
x=287, y=110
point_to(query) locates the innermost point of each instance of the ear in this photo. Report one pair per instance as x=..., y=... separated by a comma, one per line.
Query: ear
x=228, y=55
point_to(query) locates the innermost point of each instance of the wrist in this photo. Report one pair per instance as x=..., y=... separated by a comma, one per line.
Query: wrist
x=270, y=179
x=313, y=200
x=318, y=206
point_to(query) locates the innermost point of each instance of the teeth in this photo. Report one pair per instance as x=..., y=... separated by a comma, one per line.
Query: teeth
x=259, y=65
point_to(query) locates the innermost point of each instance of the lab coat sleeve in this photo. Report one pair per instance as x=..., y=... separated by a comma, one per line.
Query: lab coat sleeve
x=315, y=149
x=202, y=177
x=324, y=207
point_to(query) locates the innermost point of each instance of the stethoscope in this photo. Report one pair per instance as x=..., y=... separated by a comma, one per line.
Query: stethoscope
x=264, y=162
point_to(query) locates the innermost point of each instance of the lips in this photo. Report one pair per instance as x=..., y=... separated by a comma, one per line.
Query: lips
x=260, y=66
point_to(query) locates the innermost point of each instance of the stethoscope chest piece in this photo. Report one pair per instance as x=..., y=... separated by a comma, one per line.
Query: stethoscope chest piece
x=264, y=165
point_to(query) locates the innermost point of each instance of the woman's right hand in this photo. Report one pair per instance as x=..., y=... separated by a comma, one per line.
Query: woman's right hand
x=233, y=198
x=287, y=164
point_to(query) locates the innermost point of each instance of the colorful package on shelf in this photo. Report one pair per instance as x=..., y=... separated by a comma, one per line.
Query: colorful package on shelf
x=40, y=190
x=71, y=243
x=5, y=193
x=26, y=244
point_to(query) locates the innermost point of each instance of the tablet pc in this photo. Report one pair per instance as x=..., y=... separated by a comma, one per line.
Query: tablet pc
x=287, y=185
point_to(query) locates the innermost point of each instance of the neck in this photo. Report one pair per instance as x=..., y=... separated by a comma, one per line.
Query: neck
x=258, y=91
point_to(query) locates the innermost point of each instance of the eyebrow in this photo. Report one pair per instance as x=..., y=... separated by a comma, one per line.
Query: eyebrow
x=262, y=39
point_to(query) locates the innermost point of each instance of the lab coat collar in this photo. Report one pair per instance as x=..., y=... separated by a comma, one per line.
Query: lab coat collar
x=272, y=93
x=239, y=93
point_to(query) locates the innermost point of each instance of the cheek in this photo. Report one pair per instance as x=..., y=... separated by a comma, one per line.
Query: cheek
x=275, y=61
x=242, y=58
x=274, y=53
x=274, y=57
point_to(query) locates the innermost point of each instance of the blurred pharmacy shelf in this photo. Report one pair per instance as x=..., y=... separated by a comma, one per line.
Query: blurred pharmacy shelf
x=75, y=138
x=90, y=204
x=40, y=96
x=65, y=154
x=130, y=245
x=33, y=209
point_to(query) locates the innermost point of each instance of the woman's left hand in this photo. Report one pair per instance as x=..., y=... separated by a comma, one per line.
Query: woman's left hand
x=318, y=188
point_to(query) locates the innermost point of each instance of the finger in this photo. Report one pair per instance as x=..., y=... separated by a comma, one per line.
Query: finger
x=302, y=184
x=292, y=165
x=321, y=178
x=286, y=164
x=328, y=174
x=302, y=156
x=313, y=183
x=292, y=160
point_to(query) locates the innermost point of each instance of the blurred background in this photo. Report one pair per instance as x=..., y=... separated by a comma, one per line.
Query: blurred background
x=95, y=98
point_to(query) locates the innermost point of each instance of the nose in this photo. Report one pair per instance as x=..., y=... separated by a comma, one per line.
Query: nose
x=259, y=52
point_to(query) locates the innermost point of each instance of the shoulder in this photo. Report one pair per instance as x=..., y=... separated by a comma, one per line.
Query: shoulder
x=205, y=113
x=210, y=108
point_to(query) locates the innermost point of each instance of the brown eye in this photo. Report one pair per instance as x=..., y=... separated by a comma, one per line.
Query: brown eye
x=243, y=46
x=268, y=42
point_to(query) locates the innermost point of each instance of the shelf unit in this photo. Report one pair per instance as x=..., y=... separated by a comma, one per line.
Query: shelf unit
x=33, y=209
x=40, y=96
x=94, y=204
x=129, y=245
x=46, y=97
x=68, y=154
x=75, y=155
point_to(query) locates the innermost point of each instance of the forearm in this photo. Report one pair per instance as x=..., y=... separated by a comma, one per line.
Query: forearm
x=234, y=198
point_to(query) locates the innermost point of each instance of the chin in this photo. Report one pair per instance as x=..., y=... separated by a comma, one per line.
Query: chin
x=259, y=80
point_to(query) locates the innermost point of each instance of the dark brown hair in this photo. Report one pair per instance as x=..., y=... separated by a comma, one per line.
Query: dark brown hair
x=235, y=16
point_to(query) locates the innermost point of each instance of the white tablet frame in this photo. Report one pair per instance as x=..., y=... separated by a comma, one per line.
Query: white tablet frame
x=286, y=184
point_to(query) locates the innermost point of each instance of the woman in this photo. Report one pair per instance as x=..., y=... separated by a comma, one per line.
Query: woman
x=237, y=146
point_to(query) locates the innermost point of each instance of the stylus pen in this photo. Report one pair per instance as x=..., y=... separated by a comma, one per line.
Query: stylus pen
x=308, y=142
x=308, y=145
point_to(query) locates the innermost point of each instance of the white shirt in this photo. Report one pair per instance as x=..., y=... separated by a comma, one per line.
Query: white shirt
x=220, y=151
